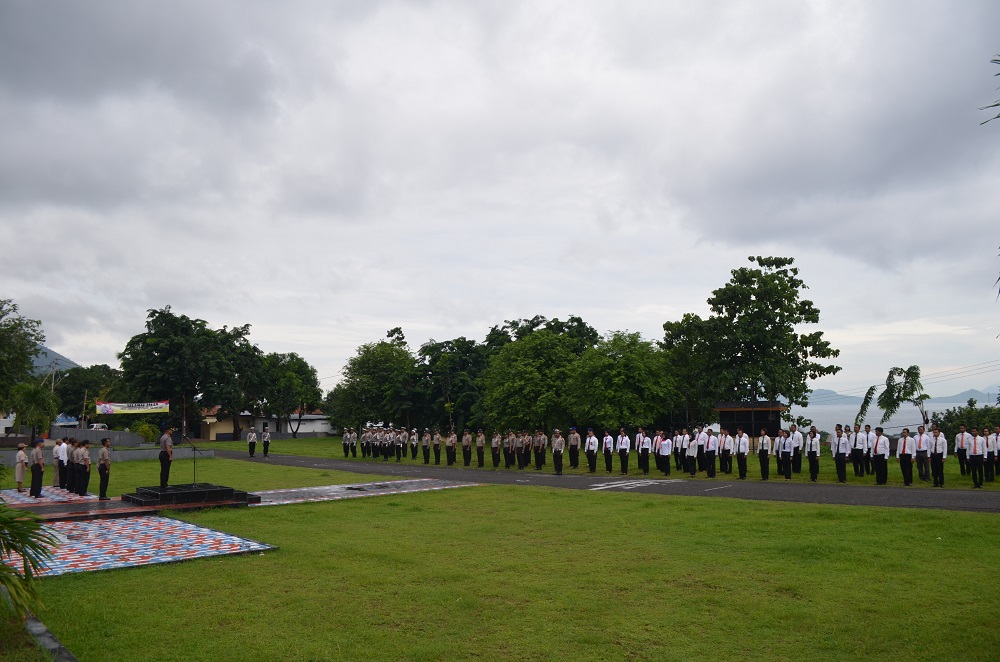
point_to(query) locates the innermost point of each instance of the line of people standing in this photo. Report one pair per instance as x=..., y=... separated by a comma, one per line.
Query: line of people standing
x=71, y=466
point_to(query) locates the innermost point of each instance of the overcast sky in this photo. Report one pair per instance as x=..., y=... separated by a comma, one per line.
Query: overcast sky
x=326, y=171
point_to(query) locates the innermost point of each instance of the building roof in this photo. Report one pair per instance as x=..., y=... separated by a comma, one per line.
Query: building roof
x=759, y=405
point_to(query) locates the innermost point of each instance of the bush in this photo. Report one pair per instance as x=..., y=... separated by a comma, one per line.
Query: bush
x=147, y=431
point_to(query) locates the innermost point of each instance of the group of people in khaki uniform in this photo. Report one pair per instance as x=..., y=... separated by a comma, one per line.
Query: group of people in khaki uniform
x=71, y=466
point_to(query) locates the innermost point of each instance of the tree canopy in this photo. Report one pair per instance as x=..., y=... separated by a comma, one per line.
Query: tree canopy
x=20, y=341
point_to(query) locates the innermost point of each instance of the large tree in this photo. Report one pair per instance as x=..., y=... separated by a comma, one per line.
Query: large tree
x=377, y=385
x=623, y=380
x=236, y=367
x=450, y=372
x=290, y=389
x=20, y=341
x=902, y=386
x=96, y=382
x=524, y=383
x=35, y=404
x=688, y=344
x=752, y=344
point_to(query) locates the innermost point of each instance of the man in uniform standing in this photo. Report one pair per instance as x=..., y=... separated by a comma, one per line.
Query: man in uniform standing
x=558, y=443
x=466, y=448
x=976, y=453
x=711, y=448
x=425, y=444
x=624, y=445
x=590, y=448
x=265, y=440
x=401, y=440
x=799, y=442
x=63, y=461
x=347, y=442
x=812, y=454
x=880, y=457
x=450, y=448
x=764, y=454
x=991, y=453
x=496, y=443
x=84, y=468
x=104, y=467
x=840, y=446
x=939, y=453
x=742, y=450
x=480, y=449
x=962, y=443
x=166, y=456
x=858, y=444
x=414, y=438
x=726, y=445
x=923, y=444
x=904, y=455
x=55, y=462
x=37, y=468
x=251, y=441
x=869, y=438
x=574, y=448
x=608, y=448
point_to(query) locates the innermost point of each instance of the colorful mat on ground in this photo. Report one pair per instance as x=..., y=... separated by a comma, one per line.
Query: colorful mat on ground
x=132, y=541
x=50, y=495
x=335, y=492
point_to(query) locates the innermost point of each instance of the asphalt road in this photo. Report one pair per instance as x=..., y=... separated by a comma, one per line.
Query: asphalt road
x=722, y=486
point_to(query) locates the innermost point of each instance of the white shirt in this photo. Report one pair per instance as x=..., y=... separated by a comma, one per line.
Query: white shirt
x=881, y=446
x=923, y=442
x=978, y=446
x=666, y=446
x=796, y=438
x=991, y=443
x=590, y=444
x=624, y=443
x=609, y=443
x=764, y=444
x=712, y=444
x=743, y=444
x=643, y=442
x=702, y=438
x=962, y=440
x=251, y=437
x=787, y=445
x=939, y=445
x=62, y=453
x=727, y=443
x=840, y=445
x=812, y=444
x=905, y=446
x=685, y=439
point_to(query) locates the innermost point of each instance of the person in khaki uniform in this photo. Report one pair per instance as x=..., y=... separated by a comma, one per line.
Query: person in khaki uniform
x=104, y=467
x=574, y=448
x=558, y=444
x=37, y=469
x=480, y=449
x=84, y=468
x=450, y=448
x=466, y=448
x=20, y=467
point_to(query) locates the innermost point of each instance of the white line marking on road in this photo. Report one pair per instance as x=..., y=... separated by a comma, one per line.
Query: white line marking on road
x=631, y=484
x=718, y=488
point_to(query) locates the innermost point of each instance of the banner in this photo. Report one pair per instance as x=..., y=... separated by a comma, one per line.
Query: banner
x=133, y=407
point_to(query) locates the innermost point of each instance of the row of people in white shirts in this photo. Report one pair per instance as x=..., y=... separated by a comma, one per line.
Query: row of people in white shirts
x=661, y=444
x=933, y=443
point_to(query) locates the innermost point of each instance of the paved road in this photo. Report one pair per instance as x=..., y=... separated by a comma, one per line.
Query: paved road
x=773, y=490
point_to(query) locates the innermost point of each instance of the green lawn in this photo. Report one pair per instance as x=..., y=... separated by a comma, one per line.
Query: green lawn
x=508, y=572
x=16, y=645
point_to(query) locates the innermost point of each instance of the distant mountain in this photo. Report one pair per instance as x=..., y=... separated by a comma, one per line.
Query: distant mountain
x=49, y=359
x=824, y=396
x=964, y=396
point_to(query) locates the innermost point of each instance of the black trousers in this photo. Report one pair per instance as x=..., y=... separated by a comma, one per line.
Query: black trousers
x=726, y=462
x=480, y=456
x=797, y=461
x=437, y=453
x=741, y=464
x=347, y=449
x=701, y=457
x=858, y=460
x=467, y=455
x=354, y=449
x=677, y=459
x=63, y=475
x=937, y=469
x=36, y=480
x=813, y=465
x=869, y=464
x=164, y=468
x=906, y=467
x=841, y=461
x=538, y=458
x=786, y=465
x=102, y=471
x=592, y=461
x=413, y=451
x=779, y=463
x=765, y=464
x=365, y=449
x=665, y=464
x=990, y=466
x=495, y=453
x=963, y=460
x=574, y=457
x=623, y=459
x=267, y=444
x=881, y=469
x=508, y=458
x=975, y=470
x=710, y=463
x=70, y=476
x=692, y=464
x=450, y=454
x=84, y=481
x=557, y=461
x=251, y=446
x=607, y=460
x=644, y=461
x=923, y=466
x=427, y=454
x=400, y=451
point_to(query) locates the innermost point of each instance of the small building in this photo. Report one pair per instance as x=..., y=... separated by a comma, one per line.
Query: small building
x=751, y=416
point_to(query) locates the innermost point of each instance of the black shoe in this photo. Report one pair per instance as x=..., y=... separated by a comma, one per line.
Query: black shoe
x=104, y=499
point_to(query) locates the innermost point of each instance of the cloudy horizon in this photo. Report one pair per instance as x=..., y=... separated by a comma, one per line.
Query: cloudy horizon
x=328, y=171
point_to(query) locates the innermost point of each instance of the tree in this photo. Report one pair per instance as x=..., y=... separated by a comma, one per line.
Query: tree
x=754, y=349
x=22, y=535
x=20, y=341
x=377, y=385
x=901, y=387
x=451, y=370
x=35, y=404
x=622, y=380
x=995, y=104
x=236, y=368
x=971, y=415
x=523, y=384
x=174, y=359
x=97, y=382
x=291, y=388
x=688, y=353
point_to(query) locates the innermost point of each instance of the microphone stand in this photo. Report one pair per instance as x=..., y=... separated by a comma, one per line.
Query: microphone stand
x=194, y=457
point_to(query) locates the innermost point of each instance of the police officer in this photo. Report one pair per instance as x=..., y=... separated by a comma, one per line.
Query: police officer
x=37, y=469
x=252, y=441
x=413, y=443
x=84, y=483
x=574, y=449
x=558, y=444
x=480, y=449
x=425, y=444
x=104, y=467
x=466, y=448
x=496, y=444
x=347, y=442
x=166, y=456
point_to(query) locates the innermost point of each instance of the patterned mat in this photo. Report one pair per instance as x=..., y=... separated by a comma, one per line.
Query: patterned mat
x=50, y=495
x=335, y=492
x=133, y=541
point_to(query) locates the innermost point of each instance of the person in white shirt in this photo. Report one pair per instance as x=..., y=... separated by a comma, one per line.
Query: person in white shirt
x=764, y=454
x=643, y=446
x=840, y=447
x=711, y=448
x=962, y=441
x=691, y=458
x=787, y=448
x=976, y=454
x=624, y=444
x=680, y=445
x=906, y=456
x=991, y=453
x=742, y=450
x=796, y=437
x=939, y=453
x=726, y=444
x=812, y=454
x=608, y=447
x=880, y=457
x=859, y=444
x=666, y=450
x=590, y=449
x=252, y=441
x=700, y=439
x=923, y=445
x=869, y=439
x=63, y=459
x=995, y=440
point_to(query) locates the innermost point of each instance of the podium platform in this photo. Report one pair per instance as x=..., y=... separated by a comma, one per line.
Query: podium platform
x=190, y=493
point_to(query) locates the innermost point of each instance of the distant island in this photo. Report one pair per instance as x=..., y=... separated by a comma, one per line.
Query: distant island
x=824, y=396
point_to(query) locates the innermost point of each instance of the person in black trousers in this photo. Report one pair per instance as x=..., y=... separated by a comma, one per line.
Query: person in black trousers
x=104, y=467
x=904, y=455
x=166, y=456
x=764, y=454
x=84, y=481
x=787, y=445
x=976, y=453
x=812, y=453
x=840, y=447
x=608, y=447
x=37, y=469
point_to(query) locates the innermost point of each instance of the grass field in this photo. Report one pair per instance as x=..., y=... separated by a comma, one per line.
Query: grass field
x=331, y=447
x=509, y=572
x=16, y=645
